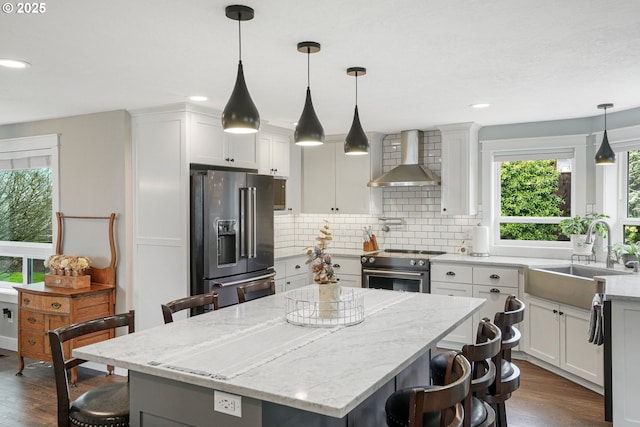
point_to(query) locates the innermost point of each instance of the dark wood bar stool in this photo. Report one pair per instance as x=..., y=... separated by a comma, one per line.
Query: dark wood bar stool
x=433, y=405
x=507, y=373
x=194, y=301
x=103, y=406
x=481, y=356
x=256, y=289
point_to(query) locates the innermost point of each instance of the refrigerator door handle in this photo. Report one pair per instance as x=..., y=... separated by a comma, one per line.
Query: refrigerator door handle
x=237, y=282
x=254, y=216
x=244, y=232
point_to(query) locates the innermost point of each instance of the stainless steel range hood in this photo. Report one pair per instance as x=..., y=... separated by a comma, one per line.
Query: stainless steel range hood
x=409, y=172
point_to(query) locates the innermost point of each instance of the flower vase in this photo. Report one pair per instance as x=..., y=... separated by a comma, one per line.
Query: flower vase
x=329, y=298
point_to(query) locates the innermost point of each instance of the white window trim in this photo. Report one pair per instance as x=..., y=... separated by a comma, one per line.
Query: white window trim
x=42, y=145
x=611, y=185
x=491, y=188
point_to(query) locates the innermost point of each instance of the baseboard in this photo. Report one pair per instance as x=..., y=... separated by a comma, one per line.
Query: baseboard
x=9, y=343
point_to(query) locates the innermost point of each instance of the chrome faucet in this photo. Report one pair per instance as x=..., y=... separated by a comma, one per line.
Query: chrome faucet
x=589, y=239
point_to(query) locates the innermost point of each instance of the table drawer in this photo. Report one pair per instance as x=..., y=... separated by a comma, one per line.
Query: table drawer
x=454, y=273
x=495, y=276
x=46, y=303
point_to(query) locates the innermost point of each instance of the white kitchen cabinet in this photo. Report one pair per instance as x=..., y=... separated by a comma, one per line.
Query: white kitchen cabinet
x=463, y=334
x=625, y=347
x=333, y=182
x=274, y=153
x=348, y=269
x=459, y=169
x=210, y=145
x=493, y=283
x=557, y=334
x=292, y=273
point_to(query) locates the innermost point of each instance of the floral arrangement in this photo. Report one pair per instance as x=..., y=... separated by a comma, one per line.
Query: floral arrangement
x=320, y=261
x=67, y=264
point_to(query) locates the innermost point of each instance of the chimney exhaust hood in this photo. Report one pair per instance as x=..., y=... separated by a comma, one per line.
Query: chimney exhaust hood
x=409, y=172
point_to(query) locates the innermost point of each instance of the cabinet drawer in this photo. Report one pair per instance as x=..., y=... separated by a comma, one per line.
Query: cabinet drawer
x=452, y=289
x=344, y=265
x=45, y=303
x=281, y=269
x=32, y=320
x=495, y=296
x=495, y=276
x=296, y=266
x=32, y=341
x=454, y=273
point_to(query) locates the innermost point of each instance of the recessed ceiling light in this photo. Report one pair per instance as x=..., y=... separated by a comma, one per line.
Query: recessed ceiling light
x=198, y=98
x=480, y=105
x=13, y=63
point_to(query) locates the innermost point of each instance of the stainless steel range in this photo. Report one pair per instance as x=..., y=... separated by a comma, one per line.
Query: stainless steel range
x=398, y=270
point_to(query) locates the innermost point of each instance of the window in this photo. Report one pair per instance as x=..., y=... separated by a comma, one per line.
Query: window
x=534, y=196
x=529, y=186
x=631, y=203
x=28, y=200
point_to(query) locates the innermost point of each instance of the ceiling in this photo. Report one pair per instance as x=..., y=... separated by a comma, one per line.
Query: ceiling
x=426, y=60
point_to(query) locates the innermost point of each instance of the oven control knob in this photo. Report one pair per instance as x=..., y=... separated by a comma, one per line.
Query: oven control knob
x=421, y=263
x=372, y=260
x=412, y=262
x=363, y=259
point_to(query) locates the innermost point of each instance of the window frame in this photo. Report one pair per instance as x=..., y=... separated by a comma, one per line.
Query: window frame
x=495, y=151
x=42, y=145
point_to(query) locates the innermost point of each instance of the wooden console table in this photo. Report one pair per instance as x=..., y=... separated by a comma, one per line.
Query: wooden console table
x=42, y=308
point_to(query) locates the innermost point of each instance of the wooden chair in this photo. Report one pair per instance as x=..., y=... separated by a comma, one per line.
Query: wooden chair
x=107, y=405
x=201, y=300
x=256, y=289
x=507, y=373
x=481, y=356
x=433, y=405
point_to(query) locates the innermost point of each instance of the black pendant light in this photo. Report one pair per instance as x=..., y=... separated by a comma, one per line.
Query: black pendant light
x=308, y=131
x=357, y=142
x=240, y=115
x=605, y=155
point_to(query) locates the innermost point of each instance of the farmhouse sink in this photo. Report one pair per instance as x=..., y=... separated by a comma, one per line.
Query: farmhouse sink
x=573, y=285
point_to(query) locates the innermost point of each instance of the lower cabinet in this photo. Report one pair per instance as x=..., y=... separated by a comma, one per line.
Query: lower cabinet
x=348, y=269
x=291, y=273
x=464, y=333
x=557, y=334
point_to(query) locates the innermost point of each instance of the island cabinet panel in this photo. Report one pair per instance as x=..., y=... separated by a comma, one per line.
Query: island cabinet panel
x=625, y=347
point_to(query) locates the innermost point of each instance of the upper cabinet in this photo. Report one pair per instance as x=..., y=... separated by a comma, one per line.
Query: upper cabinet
x=274, y=152
x=459, y=169
x=333, y=182
x=210, y=145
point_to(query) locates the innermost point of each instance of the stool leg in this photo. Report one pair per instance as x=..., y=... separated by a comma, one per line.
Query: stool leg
x=501, y=414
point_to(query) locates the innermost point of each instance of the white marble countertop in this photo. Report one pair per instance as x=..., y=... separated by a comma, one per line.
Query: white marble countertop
x=501, y=260
x=327, y=371
x=292, y=251
x=621, y=287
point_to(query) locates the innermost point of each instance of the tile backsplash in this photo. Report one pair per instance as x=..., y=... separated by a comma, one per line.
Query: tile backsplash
x=423, y=227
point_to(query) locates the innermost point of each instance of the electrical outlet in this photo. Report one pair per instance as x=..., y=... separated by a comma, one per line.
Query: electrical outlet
x=227, y=403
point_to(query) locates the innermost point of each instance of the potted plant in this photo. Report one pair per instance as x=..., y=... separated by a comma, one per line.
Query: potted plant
x=626, y=252
x=576, y=228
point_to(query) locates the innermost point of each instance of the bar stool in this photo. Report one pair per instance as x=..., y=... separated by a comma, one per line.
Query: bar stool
x=481, y=356
x=433, y=405
x=256, y=289
x=201, y=300
x=507, y=373
x=102, y=406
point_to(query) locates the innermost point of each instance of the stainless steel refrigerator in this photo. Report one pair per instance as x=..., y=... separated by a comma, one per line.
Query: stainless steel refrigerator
x=231, y=231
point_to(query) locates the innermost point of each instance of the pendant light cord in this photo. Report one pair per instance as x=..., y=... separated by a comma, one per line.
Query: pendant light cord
x=356, y=88
x=239, y=37
x=605, y=119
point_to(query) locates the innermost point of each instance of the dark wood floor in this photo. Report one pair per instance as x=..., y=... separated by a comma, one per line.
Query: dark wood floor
x=543, y=400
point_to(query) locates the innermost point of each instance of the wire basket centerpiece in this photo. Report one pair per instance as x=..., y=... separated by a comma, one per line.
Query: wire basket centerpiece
x=304, y=307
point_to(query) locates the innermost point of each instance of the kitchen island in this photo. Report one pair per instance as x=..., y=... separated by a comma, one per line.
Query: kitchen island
x=286, y=375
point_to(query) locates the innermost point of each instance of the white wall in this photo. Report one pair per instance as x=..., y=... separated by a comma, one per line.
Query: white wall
x=95, y=171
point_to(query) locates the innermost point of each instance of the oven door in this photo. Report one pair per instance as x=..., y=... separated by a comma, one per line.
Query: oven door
x=408, y=281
